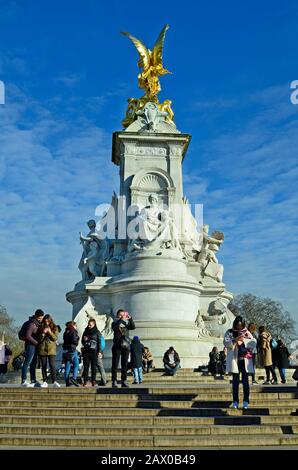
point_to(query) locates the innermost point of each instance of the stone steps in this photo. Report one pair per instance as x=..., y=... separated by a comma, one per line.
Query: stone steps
x=147, y=442
x=147, y=417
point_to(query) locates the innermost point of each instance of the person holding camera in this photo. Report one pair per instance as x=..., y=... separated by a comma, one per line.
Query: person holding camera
x=91, y=352
x=121, y=345
x=240, y=345
x=47, y=337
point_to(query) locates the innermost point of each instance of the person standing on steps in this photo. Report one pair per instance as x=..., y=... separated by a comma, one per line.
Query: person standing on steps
x=70, y=354
x=265, y=355
x=91, y=350
x=121, y=345
x=282, y=359
x=47, y=344
x=240, y=344
x=28, y=333
x=252, y=328
x=136, y=356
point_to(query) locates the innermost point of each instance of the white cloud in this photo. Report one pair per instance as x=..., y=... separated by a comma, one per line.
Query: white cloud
x=256, y=167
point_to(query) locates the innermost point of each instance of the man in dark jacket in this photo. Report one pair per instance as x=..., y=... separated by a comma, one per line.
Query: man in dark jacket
x=32, y=327
x=171, y=361
x=121, y=345
x=282, y=359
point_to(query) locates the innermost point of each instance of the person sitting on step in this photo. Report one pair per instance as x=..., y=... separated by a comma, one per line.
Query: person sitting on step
x=171, y=361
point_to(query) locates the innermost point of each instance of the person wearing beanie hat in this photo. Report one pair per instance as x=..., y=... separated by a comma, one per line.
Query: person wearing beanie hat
x=136, y=358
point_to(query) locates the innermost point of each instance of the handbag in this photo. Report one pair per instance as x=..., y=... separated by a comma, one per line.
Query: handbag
x=295, y=375
x=68, y=356
x=125, y=343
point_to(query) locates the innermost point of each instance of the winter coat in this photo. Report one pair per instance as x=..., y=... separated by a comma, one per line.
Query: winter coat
x=136, y=354
x=147, y=355
x=31, y=332
x=70, y=339
x=214, y=357
x=47, y=343
x=264, y=349
x=282, y=357
x=166, y=360
x=233, y=350
x=121, y=330
x=91, y=341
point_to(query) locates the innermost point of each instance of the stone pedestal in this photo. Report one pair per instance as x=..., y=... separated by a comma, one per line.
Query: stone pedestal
x=163, y=288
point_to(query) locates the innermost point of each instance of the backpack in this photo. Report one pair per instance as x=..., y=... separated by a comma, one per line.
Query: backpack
x=102, y=343
x=23, y=330
x=17, y=362
x=273, y=344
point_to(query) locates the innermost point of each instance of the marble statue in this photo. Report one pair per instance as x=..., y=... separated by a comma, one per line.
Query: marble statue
x=156, y=228
x=95, y=253
x=207, y=258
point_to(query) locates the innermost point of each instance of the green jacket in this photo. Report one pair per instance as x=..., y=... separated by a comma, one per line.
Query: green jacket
x=47, y=343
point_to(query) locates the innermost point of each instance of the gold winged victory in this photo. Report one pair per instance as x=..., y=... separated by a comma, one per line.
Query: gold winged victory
x=150, y=63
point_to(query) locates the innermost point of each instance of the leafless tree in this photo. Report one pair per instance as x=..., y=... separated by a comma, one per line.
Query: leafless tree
x=10, y=331
x=267, y=312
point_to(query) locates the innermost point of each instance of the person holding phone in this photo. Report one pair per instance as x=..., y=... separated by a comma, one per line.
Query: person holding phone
x=240, y=345
x=121, y=345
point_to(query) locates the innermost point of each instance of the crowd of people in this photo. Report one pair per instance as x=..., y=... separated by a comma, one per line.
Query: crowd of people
x=244, y=349
x=40, y=335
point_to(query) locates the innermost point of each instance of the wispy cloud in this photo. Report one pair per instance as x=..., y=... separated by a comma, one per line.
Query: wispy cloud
x=53, y=175
x=256, y=167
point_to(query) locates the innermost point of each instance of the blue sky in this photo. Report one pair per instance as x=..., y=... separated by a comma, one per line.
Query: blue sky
x=68, y=73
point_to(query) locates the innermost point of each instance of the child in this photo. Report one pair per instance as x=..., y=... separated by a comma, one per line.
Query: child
x=136, y=357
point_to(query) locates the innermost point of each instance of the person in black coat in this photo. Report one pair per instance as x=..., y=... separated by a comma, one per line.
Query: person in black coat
x=282, y=359
x=171, y=361
x=91, y=350
x=121, y=345
x=136, y=359
x=70, y=354
x=214, y=362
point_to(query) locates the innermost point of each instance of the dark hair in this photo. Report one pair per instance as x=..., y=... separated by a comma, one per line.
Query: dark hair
x=119, y=311
x=52, y=324
x=93, y=321
x=171, y=348
x=262, y=329
x=237, y=320
x=39, y=313
x=214, y=349
x=70, y=323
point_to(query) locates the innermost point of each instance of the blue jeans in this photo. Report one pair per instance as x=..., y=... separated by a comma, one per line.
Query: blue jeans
x=75, y=362
x=137, y=374
x=172, y=370
x=30, y=360
x=282, y=373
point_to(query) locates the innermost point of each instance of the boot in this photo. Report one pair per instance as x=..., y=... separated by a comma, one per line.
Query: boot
x=124, y=385
x=114, y=384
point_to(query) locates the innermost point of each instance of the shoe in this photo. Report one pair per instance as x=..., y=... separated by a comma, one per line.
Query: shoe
x=56, y=385
x=283, y=381
x=235, y=405
x=135, y=383
x=43, y=385
x=37, y=384
x=74, y=382
x=124, y=385
x=102, y=384
x=267, y=382
x=254, y=382
x=114, y=384
x=141, y=381
x=93, y=383
x=26, y=384
x=274, y=382
x=245, y=405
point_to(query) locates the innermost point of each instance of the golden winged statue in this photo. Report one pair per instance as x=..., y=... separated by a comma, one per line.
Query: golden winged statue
x=150, y=63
